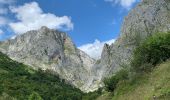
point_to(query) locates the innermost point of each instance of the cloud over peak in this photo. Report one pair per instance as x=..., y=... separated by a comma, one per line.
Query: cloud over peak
x=94, y=49
x=30, y=17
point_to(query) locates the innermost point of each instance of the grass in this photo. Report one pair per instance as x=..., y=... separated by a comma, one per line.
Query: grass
x=153, y=85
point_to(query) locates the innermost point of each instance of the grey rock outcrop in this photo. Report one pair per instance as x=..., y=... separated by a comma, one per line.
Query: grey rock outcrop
x=147, y=18
x=49, y=49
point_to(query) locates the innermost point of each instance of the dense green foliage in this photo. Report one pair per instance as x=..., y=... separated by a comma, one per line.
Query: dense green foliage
x=21, y=82
x=92, y=95
x=152, y=51
x=111, y=82
x=34, y=96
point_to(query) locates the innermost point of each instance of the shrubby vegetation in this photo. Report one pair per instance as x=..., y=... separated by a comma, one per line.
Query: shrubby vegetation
x=150, y=52
x=34, y=96
x=92, y=95
x=18, y=81
x=111, y=82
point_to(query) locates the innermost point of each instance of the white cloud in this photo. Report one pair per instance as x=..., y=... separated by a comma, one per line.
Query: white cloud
x=31, y=17
x=124, y=3
x=1, y=31
x=94, y=50
x=14, y=36
x=4, y=10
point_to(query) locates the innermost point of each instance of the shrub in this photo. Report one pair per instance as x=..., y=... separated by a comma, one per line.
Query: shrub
x=35, y=96
x=150, y=52
x=111, y=83
x=92, y=95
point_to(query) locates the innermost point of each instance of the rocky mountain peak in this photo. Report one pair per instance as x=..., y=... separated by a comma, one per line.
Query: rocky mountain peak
x=53, y=50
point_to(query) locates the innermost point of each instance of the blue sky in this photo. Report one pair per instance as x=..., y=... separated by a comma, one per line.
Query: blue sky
x=90, y=23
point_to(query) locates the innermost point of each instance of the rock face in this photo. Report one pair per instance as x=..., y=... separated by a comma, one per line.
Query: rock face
x=149, y=17
x=54, y=50
x=51, y=50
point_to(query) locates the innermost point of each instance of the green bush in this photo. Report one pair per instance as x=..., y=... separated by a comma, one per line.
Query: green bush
x=152, y=51
x=111, y=83
x=92, y=95
x=35, y=96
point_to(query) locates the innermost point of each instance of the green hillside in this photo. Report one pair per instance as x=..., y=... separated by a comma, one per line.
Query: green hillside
x=17, y=81
x=156, y=84
x=147, y=77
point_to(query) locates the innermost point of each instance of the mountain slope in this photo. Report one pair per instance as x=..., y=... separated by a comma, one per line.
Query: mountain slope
x=147, y=18
x=154, y=85
x=18, y=81
x=52, y=50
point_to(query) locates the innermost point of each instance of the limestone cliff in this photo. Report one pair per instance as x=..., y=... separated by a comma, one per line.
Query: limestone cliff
x=49, y=49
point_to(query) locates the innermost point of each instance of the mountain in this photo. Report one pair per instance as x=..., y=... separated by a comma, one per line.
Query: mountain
x=49, y=49
x=147, y=18
x=53, y=50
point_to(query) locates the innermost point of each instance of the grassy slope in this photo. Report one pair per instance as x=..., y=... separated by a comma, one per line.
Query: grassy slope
x=156, y=84
x=20, y=82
